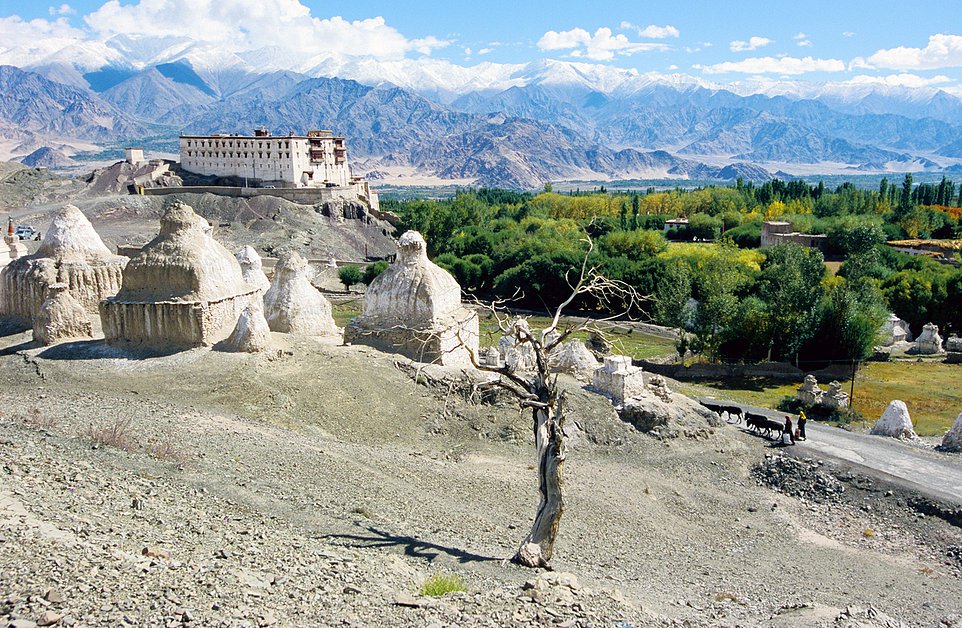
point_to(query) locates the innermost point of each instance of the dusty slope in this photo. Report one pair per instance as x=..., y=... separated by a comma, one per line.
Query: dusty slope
x=323, y=486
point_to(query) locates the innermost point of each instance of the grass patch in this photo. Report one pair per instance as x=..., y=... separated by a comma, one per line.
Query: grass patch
x=625, y=341
x=441, y=584
x=930, y=390
x=344, y=311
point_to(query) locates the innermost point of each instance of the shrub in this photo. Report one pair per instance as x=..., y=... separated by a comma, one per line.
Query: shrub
x=371, y=271
x=117, y=434
x=441, y=584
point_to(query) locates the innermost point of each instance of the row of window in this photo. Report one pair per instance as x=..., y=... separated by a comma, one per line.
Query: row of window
x=231, y=143
x=239, y=155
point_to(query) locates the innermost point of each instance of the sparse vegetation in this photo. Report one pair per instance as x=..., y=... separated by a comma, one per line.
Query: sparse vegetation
x=349, y=275
x=118, y=434
x=440, y=584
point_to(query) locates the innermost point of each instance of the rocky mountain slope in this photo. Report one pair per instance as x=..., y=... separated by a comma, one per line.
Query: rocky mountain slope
x=536, y=123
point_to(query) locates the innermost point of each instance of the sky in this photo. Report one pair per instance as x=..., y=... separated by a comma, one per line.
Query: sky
x=900, y=42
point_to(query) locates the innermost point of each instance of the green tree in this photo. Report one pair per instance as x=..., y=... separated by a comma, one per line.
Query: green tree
x=349, y=276
x=905, y=199
x=790, y=283
x=371, y=271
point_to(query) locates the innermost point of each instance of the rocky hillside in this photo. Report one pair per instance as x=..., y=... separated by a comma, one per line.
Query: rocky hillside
x=323, y=485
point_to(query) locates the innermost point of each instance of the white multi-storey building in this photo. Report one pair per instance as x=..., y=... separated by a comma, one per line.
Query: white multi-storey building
x=318, y=159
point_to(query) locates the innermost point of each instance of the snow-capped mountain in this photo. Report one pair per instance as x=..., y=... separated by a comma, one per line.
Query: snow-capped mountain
x=510, y=124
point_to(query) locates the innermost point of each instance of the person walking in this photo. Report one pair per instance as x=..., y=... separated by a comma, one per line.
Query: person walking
x=788, y=430
x=802, y=419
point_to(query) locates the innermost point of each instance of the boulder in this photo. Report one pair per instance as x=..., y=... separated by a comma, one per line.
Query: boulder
x=292, y=305
x=251, y=333
x=678, y=416
x=952, y=441
x=252, y=269
x=895, y=422
x=519, y=356
x=61, y=317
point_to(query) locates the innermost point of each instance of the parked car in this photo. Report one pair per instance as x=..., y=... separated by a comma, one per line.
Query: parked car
x=26, y=232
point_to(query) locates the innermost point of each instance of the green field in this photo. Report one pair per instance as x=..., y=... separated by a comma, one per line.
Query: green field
x=931, y=390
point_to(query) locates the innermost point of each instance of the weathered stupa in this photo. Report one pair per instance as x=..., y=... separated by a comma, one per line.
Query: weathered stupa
x=895, y=422
x=252, y=269
x=183, y=290
x=71, y=253
x=250, y=335
x=414, y=308
x=292, y=305
x=61, y=317
x=10, y=247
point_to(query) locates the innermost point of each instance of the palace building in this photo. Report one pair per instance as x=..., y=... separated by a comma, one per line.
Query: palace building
x=318, y=159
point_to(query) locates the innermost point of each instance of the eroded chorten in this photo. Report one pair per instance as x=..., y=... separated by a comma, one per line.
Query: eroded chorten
x=183, y=290
x=71, y=253
x=292, y=305
x=414, y=308
x=251, y=333
x=252, y=268
x=61, y=317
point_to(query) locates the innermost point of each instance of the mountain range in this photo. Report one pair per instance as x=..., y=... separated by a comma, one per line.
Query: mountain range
x=493, y=124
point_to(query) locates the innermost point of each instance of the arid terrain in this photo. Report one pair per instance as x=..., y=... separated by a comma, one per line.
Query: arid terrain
x=322, y=485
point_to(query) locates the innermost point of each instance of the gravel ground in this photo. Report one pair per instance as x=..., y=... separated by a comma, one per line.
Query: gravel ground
x=320, y=485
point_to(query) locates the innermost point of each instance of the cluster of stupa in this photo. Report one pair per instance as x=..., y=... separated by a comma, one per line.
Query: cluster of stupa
x=184, y=289
x=810, y=394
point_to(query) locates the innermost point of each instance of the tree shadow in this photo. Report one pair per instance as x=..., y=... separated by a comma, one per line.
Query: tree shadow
x=14, y=349
x=413, y=547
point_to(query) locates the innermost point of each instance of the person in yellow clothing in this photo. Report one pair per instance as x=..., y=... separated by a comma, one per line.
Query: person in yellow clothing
x=801, y=425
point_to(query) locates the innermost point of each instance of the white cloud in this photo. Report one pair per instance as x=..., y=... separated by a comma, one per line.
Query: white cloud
x=774, y=65
x=16, y=32
x=602, y=46
x=800, y=36
x=467, y=52
x=848, y=34
x=899, y=80
x=672, y=68
x=245, y=25
x=805, y=43
x=63, y=9
x=942, y=51
x=485, y=51
x=651, y=31
x=753, y=43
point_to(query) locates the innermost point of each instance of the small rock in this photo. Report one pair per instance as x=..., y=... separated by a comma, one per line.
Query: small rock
x=155, y=552
x=406, y=599
x=22, y=623
x=49, y=618
x=267, y=620
x=53, y=596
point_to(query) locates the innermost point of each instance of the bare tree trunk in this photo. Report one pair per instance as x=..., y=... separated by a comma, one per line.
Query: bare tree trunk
x=536, y=549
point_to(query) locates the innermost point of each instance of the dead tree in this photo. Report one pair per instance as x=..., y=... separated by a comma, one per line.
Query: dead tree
x=539, y=392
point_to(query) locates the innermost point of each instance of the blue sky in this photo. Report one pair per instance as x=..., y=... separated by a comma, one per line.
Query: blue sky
x=804, y=40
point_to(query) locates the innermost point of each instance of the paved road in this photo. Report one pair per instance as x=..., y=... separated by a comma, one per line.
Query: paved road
x=932, y=473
